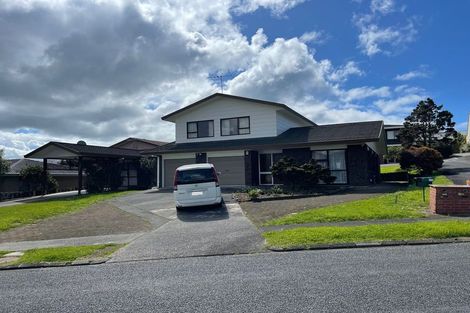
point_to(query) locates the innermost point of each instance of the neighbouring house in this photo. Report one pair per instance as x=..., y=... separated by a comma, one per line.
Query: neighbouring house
x=12, y=186
x=392, y=132
x=243, y=137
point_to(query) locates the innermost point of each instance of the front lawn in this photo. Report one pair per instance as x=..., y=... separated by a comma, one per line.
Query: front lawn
x=66, y=254
x=384, y=169
x=401, y=204
x=21, y=214
x=303, y=237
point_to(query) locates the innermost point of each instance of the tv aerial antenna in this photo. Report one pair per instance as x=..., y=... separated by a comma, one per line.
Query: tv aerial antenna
x=220, y=79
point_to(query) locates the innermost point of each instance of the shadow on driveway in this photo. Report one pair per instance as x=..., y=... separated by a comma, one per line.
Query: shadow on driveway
x=203, y=214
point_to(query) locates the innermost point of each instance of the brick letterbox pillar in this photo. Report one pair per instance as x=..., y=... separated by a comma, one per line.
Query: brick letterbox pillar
x=453, y=199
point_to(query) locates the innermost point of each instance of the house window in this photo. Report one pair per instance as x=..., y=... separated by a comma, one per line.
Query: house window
x=200, y=129
x=335, y=161
x=392, y=134
x=266, y=161
x=235, y=126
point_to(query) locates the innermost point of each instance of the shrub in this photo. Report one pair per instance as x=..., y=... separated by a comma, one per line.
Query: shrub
x=424, y=159
x=32, y=178
x=276, y=190
x=306, y=175
x=254, y=193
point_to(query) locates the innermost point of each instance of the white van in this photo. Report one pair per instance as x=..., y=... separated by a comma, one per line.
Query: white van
x=196, y=185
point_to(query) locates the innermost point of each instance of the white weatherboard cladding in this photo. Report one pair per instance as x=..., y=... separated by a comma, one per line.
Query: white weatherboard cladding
x=264, y=119
x=286, y=120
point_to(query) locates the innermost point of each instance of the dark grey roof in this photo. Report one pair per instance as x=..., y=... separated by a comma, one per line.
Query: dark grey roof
x=16, y=165
x=88, y=150
x=280, y=105
x=152, y=142
x=310, y=135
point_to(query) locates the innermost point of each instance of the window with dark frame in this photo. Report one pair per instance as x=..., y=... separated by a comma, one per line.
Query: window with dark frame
x=235, y=126
x=335, y=161
x=200, y=129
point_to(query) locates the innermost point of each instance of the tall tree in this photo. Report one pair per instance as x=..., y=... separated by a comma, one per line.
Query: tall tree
x=4, y=164
x=428, y=125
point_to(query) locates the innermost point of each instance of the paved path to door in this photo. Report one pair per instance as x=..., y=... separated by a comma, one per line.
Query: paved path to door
x=190, y=232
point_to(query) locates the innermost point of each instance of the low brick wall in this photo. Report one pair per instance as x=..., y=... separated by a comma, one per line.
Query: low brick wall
x=453, y=199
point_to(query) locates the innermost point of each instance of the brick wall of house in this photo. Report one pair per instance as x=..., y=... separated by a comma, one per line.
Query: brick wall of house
x=452, y=199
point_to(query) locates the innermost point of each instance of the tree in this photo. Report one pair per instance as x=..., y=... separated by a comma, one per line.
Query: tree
x=393, y=154
x=4, y=164
x=33, y=177
x=424, y=159
x=428, y=125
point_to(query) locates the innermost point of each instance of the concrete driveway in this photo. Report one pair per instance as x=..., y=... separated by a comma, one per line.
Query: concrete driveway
x=190, y=232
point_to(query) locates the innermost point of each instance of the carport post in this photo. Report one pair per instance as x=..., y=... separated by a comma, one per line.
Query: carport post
x=44, y=176
x=80, y=175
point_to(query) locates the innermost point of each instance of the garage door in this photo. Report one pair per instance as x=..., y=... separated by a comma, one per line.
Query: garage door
x=170, y=166
x=232, y=169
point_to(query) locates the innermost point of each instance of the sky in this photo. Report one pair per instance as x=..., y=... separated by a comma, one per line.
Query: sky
x=105, y=70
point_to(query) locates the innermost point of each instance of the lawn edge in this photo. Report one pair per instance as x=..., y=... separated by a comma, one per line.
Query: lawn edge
x=55, y=264
x=387, y=243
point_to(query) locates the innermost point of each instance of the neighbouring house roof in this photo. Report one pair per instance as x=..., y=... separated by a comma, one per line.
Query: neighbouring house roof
x=276, y=104
x=349, y=133
x=150, y=142
x=16, y=165
x=59, y=150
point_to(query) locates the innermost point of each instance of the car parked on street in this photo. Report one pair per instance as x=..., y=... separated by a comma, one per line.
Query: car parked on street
x=196, y=185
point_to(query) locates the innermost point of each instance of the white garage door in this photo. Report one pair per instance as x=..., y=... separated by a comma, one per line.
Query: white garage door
x=232, y=169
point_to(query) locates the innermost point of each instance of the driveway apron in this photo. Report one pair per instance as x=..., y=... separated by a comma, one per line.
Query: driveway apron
x=189, y=232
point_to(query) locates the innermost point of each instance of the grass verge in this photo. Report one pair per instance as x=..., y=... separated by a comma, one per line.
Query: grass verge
x=401, y=204
x=21, y=214
x=384, y=169
x=2, y=253
x=65, y=254
x=309, y=236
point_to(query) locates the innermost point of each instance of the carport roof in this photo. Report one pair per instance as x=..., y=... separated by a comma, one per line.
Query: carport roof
x=350, y=133
x=64, y=150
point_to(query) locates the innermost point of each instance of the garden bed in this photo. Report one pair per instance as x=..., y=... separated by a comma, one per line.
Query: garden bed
x=276, y=193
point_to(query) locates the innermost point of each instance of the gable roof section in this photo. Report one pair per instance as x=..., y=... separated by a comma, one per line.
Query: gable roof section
x=275, y=104
x=75, y=150
x=348, y=133
x=150, y=142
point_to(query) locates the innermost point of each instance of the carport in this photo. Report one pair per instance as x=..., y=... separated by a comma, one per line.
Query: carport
x=81, y=152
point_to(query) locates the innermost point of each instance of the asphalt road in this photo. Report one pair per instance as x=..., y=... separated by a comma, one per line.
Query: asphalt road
x=391, y=279
x=457, y=168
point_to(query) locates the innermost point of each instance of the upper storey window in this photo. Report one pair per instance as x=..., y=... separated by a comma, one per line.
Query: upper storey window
x=200, y=129
x=235, y=126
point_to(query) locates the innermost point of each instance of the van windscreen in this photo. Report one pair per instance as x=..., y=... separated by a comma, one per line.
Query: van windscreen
x=195, y=176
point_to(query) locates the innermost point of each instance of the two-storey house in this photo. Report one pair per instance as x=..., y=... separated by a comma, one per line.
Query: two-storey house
x=244, y=137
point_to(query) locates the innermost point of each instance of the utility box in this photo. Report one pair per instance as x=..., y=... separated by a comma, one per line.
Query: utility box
x=423, y=181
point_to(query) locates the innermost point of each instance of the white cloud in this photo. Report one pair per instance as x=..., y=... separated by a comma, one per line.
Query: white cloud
x=422, y=72
x=400, y=104
x=317, y=37
x=359, y=93
x=342, y=73
x=276, y=6
x=375, y=38
x=382, y=6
